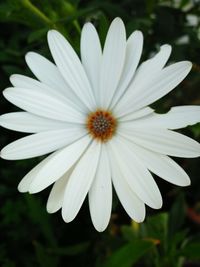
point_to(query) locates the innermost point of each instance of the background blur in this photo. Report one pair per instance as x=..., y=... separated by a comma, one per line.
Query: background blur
x=29, y=236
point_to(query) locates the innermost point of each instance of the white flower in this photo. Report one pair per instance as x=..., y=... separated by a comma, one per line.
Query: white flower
x=94, y=114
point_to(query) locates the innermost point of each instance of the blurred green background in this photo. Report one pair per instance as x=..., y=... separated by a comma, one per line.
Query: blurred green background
x=31, y=237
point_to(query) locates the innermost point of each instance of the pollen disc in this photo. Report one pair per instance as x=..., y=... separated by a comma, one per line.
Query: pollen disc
x=101, y=125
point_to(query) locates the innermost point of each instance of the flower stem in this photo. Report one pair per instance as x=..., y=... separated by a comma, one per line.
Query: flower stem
x=36, y=11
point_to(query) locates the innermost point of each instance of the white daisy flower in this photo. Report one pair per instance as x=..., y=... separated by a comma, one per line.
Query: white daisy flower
x=94, y=115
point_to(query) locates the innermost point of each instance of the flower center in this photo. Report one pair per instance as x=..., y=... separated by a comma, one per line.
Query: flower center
x=101, y=125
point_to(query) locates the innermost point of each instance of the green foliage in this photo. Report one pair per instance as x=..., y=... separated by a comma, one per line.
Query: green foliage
x=129, y=254
x=29, y=235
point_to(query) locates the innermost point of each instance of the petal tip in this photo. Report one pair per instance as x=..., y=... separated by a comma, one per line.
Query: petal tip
x=13, y=77
x=7, y=92
x=187, y=65
x=157, y=204
x=101, y=225
x=186, y=183
x=138, y=32
x=29, y=56
x=167, y=48
x=52, y=33
x=87, y=25
x=33, y=189
x=118, y=22
x=21, y=188
x=117, y=19
x=50, y=209
x=65, y=217
x=3, y=154
x=100, y=229
x=139, y=220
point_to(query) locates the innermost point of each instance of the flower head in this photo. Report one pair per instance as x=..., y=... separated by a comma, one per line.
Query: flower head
x=93, y=115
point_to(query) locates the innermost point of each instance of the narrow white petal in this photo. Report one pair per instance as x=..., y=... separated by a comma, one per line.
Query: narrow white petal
x=148, y=69
x=91, y=55
x=42, y=143
x=48, y=73
x=70, y=67
x=55, y=199
x=25, y=82
x=139, y=114
x=133, y=53
x=153, y=65
x=22, y=81
x=134, y=207
x=146, y=93
x=100, y=194
x=177, y=117
x=62, y=161
x=136, y=174
x=161, y=165
x=25, y=183
x=43, y=104
x=112, y=61
x=30, y=123
x=163, y=141
x=80, y=182
x=45, y=71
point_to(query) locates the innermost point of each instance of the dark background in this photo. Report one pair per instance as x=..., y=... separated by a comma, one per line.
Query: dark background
x=29, y=236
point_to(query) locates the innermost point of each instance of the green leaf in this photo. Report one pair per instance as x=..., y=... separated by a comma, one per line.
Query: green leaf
x=130, y=233
x=191, y=251
x=157, y=226
x=44, y=259
x=70, y=250
x=129, y=254
x=39, y=216
x=37, y=35
x=177, y=215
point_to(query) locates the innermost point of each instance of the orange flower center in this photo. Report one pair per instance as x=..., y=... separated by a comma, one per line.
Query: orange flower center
x=101, y=125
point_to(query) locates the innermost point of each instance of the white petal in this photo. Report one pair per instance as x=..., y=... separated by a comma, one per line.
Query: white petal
x=70, y=67
x=163, y=141
x=134, y=207
x=149, y=69
x=25, y=183
x=55, y=199
x=29, y=123
x=160, y=84
x=25, y=82
x=43, y=104
x=139, y=114
x=100, y=194
x=177, y=117
x=62, y=161
x=22, y=81
x=42, y=143
x=45, y=71
x=91, y=55
x=161, y=165
x=153, y=65
x=136, y=174
x=112, y=61
x=80, y=182
x=49, y=74
x=133, y=54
